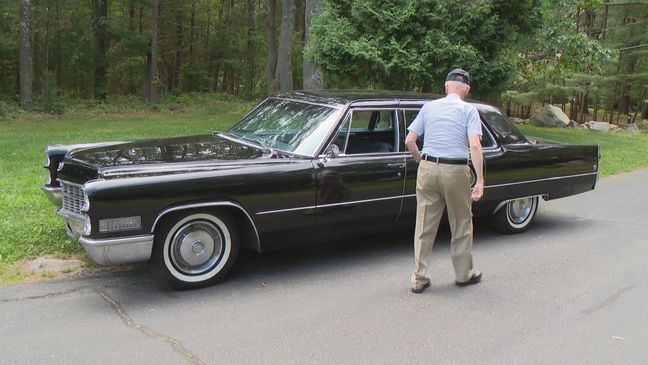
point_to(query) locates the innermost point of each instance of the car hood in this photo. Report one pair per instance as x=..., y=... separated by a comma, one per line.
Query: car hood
x=163, y=156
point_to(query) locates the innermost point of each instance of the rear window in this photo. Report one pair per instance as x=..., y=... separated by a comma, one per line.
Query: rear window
x=502, y=127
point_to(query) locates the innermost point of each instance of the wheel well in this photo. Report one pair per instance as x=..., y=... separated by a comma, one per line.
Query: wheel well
x=503, y=203
x=247, y=230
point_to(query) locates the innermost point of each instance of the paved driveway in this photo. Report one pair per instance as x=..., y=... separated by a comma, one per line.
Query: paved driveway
x=571, y=290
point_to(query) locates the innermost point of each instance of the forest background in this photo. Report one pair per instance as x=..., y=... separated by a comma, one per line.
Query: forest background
x=588, y=56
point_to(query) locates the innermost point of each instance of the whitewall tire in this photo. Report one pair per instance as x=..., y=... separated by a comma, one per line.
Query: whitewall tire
x=515, y=215
x=196, y=249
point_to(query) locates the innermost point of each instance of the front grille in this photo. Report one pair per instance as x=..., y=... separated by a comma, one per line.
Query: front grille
x=72, y=198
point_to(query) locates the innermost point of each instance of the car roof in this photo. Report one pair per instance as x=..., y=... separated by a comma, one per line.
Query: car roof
x=337, y=97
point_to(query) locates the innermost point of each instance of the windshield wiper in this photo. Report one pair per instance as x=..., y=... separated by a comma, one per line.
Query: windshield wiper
x=253, y=141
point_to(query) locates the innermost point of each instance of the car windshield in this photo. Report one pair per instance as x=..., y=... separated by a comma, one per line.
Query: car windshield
x=287, y=125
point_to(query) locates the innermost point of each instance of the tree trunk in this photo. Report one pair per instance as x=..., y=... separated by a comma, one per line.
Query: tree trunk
x=251, y=57
x=37, y=84
x=624, y=106
x=25, y=58
x=176, y=83
x=152, y=74
x=284, y=59
x=272, y=46
x=131, y=15
x=605, y=20
x=59, y=65
x=192, y=35
x=573, y=110
x=100, y=28
x=141, y=19
x=625, y=90
x=584, y=107
x=312, y=76
x=427, y=86
x=644, y=113
x=48, y=78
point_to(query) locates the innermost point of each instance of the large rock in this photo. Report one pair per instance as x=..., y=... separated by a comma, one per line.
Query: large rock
x=549, y=116
x=599, y=126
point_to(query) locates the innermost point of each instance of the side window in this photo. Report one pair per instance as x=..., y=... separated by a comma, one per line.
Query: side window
x=486, y=141
x=410, y=115
x=505, y=130
x=370, y=131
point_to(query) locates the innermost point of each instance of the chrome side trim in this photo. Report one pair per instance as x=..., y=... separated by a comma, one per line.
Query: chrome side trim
x=203, y=205
x=329, y=205
x=539, y=180
x=115, y=251
x=334, y=106
x=286, y=210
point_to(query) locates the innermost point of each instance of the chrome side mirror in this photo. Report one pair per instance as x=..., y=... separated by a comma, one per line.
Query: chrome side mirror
x=331, y=151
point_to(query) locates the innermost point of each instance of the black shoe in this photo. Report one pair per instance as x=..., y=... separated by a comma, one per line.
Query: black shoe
x=421, y=289
x=474, y=279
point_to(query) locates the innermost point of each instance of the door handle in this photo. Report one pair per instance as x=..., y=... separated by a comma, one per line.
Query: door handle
x=399, y=165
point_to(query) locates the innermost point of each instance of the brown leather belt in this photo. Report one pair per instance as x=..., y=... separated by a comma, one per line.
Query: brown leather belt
x=450, y=161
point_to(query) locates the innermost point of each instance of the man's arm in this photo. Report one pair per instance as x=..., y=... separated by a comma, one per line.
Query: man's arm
x=478, y=163
x=410, y=143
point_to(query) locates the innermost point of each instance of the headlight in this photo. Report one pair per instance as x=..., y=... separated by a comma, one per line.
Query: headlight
x=86, y=203
x=87, y=227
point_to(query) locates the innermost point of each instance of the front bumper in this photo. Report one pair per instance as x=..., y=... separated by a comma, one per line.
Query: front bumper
x=117, y=251
x=112, y=251
x=53, y=194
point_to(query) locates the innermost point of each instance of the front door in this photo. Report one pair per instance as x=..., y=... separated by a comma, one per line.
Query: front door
x=361, y=189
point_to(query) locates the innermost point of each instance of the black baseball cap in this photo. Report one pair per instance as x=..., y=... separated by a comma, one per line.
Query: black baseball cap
x=459, y=75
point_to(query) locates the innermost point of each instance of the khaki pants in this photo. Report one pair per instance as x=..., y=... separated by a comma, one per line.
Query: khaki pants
x=440, y=185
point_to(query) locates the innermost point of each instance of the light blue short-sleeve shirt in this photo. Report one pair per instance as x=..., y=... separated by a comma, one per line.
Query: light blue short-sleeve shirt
x=445, y=125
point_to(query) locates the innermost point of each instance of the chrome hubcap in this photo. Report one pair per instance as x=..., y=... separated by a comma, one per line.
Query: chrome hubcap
x=196, y=247
x=519, y=210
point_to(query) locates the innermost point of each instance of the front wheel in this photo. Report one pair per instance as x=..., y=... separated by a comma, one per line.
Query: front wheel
x=196, y=249
x=516, y=215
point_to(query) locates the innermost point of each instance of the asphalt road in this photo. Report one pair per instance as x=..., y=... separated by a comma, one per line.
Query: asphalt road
x=571, y=290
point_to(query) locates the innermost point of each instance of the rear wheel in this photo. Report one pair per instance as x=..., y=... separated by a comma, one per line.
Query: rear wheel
x=196, y=249
x=516, y=215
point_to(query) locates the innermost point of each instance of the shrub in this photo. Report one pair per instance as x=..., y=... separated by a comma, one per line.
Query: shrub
x=194, y=78
x=52, y=106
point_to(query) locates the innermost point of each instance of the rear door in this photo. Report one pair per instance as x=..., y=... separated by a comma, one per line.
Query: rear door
x=489, y=147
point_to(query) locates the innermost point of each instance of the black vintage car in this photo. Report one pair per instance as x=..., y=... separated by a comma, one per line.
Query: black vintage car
x=300, y=168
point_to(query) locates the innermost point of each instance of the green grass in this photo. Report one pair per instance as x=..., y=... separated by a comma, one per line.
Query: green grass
x=620, y=151
x=29, y=226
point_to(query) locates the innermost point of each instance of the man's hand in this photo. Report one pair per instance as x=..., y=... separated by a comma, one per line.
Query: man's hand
x=477, y=192
x=478, y=163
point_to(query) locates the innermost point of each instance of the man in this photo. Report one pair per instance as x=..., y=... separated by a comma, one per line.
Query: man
x=451, y=131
